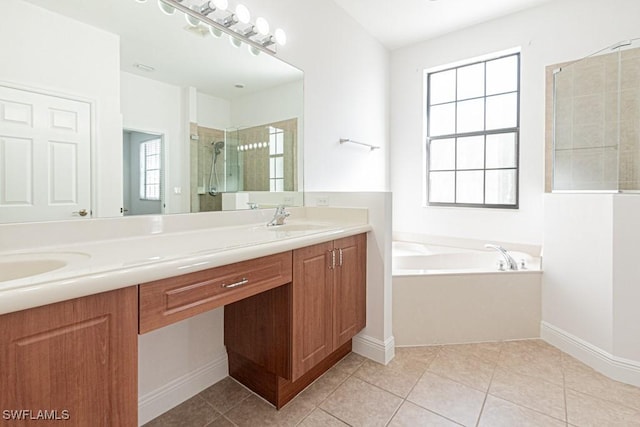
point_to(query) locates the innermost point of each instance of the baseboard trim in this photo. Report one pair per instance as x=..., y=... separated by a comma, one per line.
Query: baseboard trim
x=617, y=368
x=182, y=388
x=374, y=349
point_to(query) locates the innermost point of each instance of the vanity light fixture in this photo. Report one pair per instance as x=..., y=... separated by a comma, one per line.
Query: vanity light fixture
x=167, y=8
x=236, y=24
x=243, y=14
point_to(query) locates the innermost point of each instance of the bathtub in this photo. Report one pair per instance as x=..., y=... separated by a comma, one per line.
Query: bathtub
x=447, y=295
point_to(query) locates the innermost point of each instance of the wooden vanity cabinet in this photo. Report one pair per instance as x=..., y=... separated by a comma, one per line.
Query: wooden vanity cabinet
x=75, y=361
x=329, y=285
x=280, y=341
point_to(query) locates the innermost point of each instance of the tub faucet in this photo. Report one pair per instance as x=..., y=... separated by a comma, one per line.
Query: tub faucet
x=279, y=216
x=513, y=265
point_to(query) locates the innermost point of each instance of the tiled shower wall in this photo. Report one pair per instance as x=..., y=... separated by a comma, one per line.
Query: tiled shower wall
x=253, y=164
x=597, y=123
x=201, y=158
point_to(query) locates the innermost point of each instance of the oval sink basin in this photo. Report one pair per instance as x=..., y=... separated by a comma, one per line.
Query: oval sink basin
x=19, y=266
x=299, y=227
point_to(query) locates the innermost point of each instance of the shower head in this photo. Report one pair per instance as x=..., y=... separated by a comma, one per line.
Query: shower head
x=218, y=146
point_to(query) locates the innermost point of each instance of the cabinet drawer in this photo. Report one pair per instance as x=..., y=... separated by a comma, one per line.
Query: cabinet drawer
x=167, y=301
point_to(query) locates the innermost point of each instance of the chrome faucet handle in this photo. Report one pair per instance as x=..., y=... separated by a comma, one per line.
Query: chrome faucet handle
x=279, y=216
x=252, y=205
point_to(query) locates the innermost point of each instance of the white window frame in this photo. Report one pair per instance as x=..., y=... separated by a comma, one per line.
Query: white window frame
x=150, y=148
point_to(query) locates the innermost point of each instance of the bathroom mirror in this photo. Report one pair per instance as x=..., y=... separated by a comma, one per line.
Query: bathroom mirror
x=194, y=93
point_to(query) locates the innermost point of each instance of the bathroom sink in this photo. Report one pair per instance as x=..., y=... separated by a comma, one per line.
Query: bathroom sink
x=19, y=266
x=299, y=227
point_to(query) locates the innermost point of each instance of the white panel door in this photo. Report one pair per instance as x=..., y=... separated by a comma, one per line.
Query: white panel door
x=45, y=157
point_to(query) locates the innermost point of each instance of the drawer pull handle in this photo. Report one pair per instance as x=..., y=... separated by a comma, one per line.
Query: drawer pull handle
x=244, y=281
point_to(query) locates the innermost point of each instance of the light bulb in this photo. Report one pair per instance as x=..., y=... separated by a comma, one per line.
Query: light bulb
x=166, y=8
x=194, y=22
x=235, y=42
x=243, y=14
x=281, y=36
x=221, y=4
x=254, y=50
x=215, y=32
x=262, y=26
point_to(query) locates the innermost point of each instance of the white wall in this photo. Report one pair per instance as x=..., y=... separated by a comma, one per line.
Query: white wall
x=345, y=92
x=558, y=31
x=590, y=283
x=156, y=107
x=577, y=293
x=48, y=52
x=213, y=112
x=279, y=103
x=626, y=277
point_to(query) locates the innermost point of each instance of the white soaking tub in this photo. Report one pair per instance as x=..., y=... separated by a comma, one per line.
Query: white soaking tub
x=445, y=295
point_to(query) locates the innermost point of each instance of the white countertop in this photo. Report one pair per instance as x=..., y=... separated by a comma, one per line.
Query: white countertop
x=183, y=245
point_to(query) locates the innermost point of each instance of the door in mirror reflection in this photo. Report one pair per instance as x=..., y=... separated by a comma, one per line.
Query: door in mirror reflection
x=143, y=187
x=45, y=144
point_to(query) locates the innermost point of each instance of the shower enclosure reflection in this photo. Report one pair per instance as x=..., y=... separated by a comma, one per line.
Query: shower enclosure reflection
x=239, y=167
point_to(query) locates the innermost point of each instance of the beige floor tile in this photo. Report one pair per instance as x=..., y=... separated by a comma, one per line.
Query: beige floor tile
x=359, y=403
x=586, y=411
x=320, y=418
x=192, y=412
x=489, y=351
x=410, y=415
x=500, y=413
x=583, y=379
x=534, y=360
x=254, y=411
x=349, y=364
x=396, y=377
x=225, y=394
x=221, y=422
x=464, y=368
x=418, y=358
x=321, y=388
x=448, y=398
x=421, y=356
x=530, y=392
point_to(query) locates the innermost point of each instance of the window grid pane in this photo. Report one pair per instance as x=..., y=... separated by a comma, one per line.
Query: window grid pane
x=150, y=170
x=472, y=141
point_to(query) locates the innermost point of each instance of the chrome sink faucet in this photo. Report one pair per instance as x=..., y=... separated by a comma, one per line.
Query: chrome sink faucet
x=511, y=263
x=279, y=216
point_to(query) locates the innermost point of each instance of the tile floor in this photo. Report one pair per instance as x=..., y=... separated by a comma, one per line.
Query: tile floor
x=511, y=384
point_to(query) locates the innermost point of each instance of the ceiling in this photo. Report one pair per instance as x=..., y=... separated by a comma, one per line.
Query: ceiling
x=400, y=23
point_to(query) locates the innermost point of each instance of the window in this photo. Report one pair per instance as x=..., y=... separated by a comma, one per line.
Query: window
x=276, y=159
x=472, y=134
x=150, y=165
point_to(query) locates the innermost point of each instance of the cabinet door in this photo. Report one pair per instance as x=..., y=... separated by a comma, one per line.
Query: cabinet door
x=349, y=288
x=75, y=360
x=312, y=294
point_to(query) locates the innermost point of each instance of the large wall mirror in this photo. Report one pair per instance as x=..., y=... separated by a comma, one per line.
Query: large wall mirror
x=112, y=108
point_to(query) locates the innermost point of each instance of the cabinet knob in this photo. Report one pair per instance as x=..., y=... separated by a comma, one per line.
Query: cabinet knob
x=81, y=212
